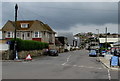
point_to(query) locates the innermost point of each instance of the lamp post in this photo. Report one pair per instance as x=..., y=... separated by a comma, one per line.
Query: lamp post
x=15, y=42
x=98, y=43
x=106, y=37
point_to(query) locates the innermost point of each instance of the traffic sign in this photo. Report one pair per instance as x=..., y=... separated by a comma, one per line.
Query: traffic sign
x=28, y=57
x=8, y=42
x=114, y=61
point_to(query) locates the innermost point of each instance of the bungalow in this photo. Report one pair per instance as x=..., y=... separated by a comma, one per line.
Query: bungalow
x=29, y=30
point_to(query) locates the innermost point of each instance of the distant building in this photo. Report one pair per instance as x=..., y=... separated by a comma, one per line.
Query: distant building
x=76, y=41
x=109, y=40
x=62, y=40
x=29, y=30
x=116, y=44
x=114, y=35
x=68, y=35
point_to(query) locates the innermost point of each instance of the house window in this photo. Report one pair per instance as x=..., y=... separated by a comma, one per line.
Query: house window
x=36, y=34
x=18, y=34
x=24, y=25
x=28, y=34
x=9, y=34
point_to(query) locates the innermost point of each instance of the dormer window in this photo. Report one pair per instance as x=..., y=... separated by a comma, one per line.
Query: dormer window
x=24, y=25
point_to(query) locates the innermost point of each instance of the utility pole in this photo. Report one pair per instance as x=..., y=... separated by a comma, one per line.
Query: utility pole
x=98, y=44
x=98, y=33
x=15, y=42
x=106, y=37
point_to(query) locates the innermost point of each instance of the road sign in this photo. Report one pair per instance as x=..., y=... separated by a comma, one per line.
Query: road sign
x=114, y=61
x=8, y=42
x=28, y=57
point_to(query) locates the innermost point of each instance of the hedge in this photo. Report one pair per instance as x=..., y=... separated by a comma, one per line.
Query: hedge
x=26, y=45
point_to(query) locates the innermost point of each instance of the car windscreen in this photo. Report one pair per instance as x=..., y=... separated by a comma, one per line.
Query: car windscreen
x=52, y=50
x=93, y=51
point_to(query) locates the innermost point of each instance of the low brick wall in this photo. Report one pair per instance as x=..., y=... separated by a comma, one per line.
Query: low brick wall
x=33, y=53
x=6, y=54
x=21, y=55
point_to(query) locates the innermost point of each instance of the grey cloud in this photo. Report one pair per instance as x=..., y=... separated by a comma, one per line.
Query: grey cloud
x=64, y=15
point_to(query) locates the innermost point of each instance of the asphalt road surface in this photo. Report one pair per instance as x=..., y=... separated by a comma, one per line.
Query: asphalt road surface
x=69, y=65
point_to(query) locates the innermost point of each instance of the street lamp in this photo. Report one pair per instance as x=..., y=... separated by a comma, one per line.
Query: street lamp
x=98, y=33
x=98, y=43
x=15, y=42
x=106, y=37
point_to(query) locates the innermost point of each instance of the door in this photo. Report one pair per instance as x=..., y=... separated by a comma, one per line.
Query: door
x=23, y=35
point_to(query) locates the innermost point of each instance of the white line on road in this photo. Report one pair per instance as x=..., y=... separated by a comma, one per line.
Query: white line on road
x=67, y=60
x=74, y=65
x=80, y=66
x=109, y=76
x=64, y=64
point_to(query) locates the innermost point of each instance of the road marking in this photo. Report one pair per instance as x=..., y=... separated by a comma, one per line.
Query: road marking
x=109, y=76
x=67, y=60
x=99, y=68
x=80, y=66
x=64, y=64
x=74, y=65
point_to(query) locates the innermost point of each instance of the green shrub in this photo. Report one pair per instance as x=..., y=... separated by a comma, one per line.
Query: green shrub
x=26, y=45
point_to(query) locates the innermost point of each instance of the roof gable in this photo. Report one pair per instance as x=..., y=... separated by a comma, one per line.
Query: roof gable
x=47, y=27
x=8, y=26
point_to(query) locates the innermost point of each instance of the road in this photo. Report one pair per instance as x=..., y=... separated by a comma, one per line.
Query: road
x=69, y=65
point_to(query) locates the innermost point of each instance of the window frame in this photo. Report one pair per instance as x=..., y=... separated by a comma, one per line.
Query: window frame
x=24, y=25
x=18, y=34
x=10, y=34
x=37, y=34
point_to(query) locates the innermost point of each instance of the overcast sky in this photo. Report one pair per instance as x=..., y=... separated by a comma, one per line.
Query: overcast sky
x=67, y=16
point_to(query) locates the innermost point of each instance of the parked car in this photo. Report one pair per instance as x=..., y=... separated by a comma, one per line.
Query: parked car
x=117, y=54
x=103, y=53
x=52, y=52
x=92, y=53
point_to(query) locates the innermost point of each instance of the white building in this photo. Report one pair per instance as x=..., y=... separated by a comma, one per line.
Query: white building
x=109, y=40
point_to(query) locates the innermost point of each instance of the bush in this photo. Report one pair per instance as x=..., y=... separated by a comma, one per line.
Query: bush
x=26, y=45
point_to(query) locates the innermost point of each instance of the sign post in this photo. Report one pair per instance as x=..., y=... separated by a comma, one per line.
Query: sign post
x=8, y=42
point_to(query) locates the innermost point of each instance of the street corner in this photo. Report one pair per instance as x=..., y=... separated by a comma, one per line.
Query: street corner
x=106, y=63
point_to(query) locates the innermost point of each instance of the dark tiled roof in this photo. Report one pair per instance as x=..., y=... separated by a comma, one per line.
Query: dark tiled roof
x=48, y=28
x=19, y=24
x=30, y=22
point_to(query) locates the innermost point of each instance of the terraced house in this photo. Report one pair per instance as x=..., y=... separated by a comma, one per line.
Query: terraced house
x=29, y=30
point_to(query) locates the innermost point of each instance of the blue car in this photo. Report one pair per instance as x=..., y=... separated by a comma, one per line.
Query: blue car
x=92, y=53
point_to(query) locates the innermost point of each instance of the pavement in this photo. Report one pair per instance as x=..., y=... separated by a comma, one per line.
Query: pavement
x=20, y=60
x=106, y=63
